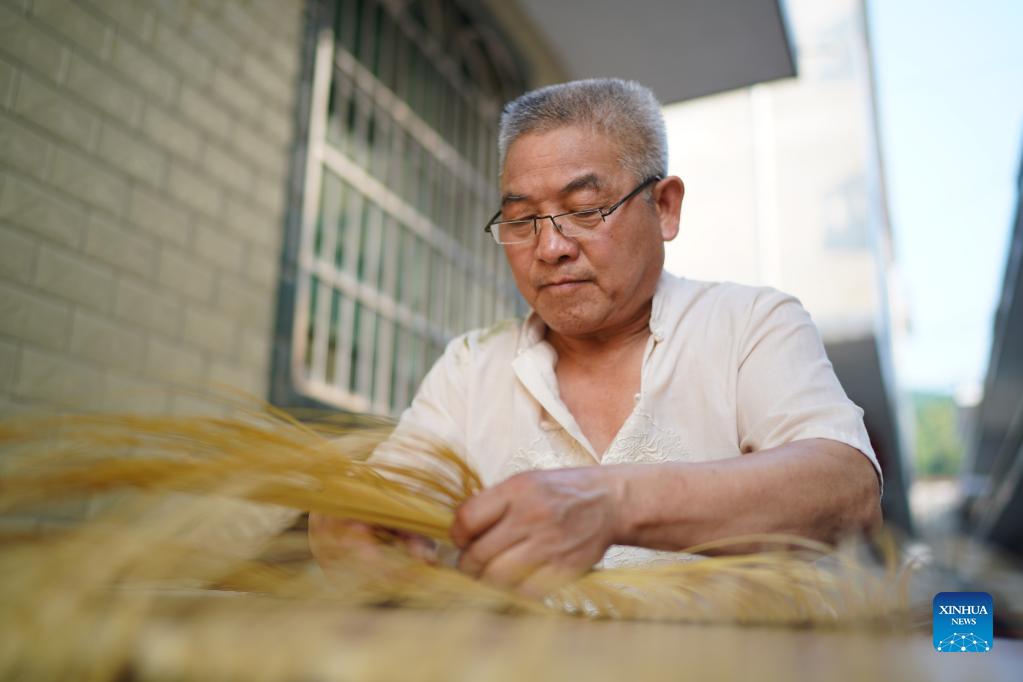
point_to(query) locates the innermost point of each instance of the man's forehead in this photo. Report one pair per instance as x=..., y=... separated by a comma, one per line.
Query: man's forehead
x=570, y=150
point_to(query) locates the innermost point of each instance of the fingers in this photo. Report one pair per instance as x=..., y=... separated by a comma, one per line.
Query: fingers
x=545, y=580
x=422, y=548
x=510, y=568
x=484, y=548
x=537, y=529
x=333, y=540
x=477, y=514
x=508, y=557
x=516, y=569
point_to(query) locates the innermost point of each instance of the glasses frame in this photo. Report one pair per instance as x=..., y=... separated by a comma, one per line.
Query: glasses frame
x=604, y=213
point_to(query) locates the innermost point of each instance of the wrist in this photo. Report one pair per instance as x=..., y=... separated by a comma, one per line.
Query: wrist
x=625, y=511
x=648, y=505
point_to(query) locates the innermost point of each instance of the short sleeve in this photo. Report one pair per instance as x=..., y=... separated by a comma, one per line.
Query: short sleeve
x=786, y=388
x=437, y=415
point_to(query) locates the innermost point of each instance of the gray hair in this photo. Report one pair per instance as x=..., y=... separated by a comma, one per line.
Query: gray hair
x=625, y=111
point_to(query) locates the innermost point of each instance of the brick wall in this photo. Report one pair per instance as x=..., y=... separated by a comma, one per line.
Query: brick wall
x=145, y=148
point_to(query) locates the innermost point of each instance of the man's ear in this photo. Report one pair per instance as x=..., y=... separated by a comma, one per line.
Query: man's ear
x=668, y=195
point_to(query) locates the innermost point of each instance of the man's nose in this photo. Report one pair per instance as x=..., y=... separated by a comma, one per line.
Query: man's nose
x=551, y=245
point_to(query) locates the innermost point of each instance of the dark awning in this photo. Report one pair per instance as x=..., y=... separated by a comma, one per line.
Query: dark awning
x=680, y=48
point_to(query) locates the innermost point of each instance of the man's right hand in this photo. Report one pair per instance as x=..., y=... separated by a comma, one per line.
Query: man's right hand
x=335, y=541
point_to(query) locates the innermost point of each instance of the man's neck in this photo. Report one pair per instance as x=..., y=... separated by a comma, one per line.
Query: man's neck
x=599, y=348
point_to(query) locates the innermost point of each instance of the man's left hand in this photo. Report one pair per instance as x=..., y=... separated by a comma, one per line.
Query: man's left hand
x=538, y=529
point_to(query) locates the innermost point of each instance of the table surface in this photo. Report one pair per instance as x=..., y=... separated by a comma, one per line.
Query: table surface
x=409, y=644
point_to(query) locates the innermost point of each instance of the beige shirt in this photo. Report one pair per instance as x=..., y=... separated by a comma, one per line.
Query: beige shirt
x=728, y=370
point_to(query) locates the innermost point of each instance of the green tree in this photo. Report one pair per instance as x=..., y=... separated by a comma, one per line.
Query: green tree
x=939, y=446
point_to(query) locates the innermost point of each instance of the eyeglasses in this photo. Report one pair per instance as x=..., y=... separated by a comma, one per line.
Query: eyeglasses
x=574, y=224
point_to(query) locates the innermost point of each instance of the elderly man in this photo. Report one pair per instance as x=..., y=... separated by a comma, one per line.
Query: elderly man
x=631, y=409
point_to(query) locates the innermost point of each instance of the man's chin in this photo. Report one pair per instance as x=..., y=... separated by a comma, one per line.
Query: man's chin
x=570, y=321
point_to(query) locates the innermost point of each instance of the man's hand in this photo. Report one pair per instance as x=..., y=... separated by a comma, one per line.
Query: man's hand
x=334, y=541
x=538, y=529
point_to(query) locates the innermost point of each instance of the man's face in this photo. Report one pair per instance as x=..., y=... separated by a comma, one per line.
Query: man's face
x=593, y=286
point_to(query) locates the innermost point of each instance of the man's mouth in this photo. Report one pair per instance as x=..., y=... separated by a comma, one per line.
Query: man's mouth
x=563, y=284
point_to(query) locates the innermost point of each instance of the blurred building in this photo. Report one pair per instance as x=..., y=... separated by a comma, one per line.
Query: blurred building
x=992, y=478
x=287, y=197
x=784, y=188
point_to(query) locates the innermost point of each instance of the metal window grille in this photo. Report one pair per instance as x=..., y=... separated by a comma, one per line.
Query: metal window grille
x=400, y=173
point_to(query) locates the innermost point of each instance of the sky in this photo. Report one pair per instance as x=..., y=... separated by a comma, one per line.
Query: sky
x=949, y=79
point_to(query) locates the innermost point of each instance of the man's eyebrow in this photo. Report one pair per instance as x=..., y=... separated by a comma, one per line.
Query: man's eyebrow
x=513, y=198
x=588, y=181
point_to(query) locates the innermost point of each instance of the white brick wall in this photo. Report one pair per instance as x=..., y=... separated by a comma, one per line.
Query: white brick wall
x=144, y=150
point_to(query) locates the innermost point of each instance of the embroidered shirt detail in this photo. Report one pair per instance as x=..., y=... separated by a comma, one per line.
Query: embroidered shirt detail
x=551, y=449
x=641, y=439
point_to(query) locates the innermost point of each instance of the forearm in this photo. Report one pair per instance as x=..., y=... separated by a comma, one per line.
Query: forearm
x=539, y=527
x=818, y=488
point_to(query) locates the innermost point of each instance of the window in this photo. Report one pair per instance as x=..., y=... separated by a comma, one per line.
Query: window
x=400, y=172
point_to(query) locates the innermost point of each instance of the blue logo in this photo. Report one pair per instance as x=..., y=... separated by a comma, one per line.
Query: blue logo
x=963, y=622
